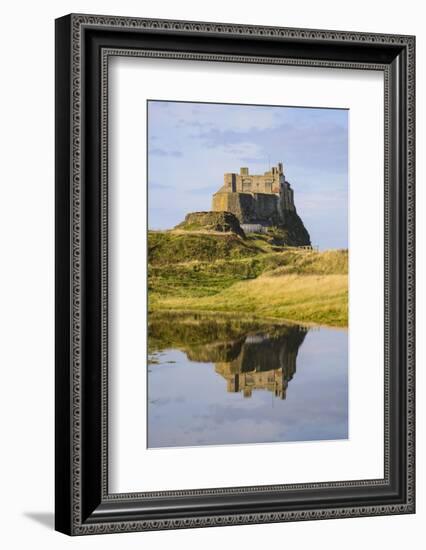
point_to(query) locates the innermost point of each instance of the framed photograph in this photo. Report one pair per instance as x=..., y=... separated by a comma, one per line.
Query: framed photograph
x=234, y=274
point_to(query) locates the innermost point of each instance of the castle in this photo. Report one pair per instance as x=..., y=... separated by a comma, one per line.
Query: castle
x=253, y=368
x=262, y=201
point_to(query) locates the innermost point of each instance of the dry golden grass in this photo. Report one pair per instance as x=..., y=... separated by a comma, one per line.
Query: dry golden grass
x=321, y=299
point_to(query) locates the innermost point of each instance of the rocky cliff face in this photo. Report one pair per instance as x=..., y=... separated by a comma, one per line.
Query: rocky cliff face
x=292, y=232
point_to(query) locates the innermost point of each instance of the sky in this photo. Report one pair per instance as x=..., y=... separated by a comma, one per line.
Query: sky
x=191, y=146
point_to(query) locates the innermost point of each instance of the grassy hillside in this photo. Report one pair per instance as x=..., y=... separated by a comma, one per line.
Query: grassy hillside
x=166, y=247
x=217, y=272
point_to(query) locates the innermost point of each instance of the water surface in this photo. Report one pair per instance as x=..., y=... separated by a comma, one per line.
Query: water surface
x=222, y=380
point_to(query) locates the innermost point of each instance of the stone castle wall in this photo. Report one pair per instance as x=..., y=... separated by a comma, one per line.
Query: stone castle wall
x=256, y=198
x=249, y=207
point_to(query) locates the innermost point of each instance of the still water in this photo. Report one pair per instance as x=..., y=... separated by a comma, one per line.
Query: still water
x=222, y=380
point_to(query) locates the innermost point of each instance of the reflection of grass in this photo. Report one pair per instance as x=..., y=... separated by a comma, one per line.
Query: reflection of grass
x=226, y=274
x=171, y=329
x=212, y=338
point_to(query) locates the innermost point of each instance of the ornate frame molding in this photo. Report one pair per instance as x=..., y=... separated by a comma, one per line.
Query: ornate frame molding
x=72, y=46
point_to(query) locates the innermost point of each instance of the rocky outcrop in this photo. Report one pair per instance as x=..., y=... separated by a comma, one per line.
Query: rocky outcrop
x=224, y=222
x=296, y=231
x=290, y=233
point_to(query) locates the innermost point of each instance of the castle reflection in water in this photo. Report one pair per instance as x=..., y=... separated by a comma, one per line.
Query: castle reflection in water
x=249, y=355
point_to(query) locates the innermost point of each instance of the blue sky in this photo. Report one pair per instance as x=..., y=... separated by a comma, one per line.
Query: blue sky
x=191, y=146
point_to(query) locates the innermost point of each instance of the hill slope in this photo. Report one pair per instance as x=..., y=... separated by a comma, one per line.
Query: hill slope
x=222, y=272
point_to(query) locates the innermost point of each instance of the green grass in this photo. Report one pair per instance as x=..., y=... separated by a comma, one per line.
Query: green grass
x=175, y=246
x=211, y=273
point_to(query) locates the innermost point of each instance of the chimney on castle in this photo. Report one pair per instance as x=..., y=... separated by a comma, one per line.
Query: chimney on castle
x=244, y=171
x=280, y=168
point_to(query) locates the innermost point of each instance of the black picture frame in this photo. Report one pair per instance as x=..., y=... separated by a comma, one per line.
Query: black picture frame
x=83, y=504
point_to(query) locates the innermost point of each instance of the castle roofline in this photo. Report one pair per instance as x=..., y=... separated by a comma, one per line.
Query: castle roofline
x=244, y=171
